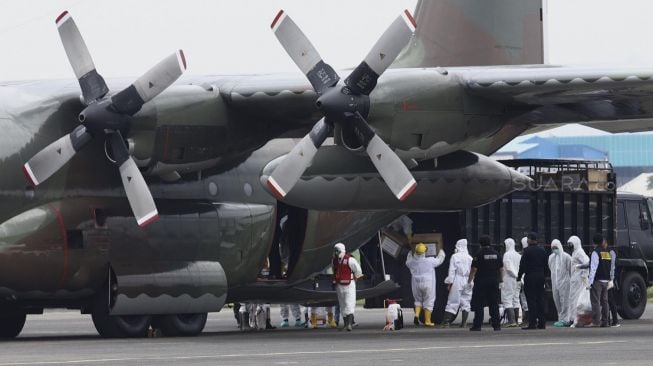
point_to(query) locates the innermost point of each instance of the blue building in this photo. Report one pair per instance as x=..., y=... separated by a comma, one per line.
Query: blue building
x=630, y=154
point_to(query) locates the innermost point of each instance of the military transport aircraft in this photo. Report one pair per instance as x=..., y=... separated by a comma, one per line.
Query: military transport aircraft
x=206, y=166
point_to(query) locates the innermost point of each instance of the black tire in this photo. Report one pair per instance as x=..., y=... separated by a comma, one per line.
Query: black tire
x=11, y=324
x=117, y=326
x=632, y=296
x=181, y=325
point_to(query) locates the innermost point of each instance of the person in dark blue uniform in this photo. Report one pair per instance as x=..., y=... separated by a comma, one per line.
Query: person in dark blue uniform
x=534, y=264
x=487, y=278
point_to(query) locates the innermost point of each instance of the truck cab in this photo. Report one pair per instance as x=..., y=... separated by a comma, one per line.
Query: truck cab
x=634, y=247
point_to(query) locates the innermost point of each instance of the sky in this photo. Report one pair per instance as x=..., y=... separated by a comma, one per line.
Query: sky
x=126, y=38
x=227, y=37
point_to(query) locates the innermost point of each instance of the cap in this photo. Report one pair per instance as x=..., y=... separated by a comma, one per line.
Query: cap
x=532, y=235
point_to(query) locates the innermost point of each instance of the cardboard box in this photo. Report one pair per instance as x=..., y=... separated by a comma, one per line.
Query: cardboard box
x=433, y=242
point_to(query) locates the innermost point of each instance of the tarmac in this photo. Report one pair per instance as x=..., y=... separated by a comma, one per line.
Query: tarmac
x=62, y=337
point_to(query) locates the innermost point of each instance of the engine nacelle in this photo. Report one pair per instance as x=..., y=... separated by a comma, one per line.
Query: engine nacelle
x=460, y=180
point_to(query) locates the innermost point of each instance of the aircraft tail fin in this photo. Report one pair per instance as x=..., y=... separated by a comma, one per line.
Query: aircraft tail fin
x=476, y=33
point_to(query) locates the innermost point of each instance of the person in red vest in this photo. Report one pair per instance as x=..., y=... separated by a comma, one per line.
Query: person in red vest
x=346, y=271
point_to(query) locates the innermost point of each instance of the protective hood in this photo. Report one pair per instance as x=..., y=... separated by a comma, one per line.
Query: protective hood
x=524, y=243
x=575, y=241
x=556, y=244
x=461, y=246
x=510, y=245
x=340, y=249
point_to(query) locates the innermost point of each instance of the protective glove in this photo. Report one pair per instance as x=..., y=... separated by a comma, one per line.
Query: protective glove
x=469, y=286
x=589, y=287
x=610, y=285
x=577, y=266
x=500, y=285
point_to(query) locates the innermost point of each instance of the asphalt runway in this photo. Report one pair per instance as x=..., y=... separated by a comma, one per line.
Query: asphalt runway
x=68, y=338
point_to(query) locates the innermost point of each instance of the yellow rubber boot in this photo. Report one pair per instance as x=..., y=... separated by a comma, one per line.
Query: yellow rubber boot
x=314, y=321
x=427, y=318
x=331, y=321
x=418, y=310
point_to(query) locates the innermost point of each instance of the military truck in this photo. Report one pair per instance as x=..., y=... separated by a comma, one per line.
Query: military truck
x=565, y=198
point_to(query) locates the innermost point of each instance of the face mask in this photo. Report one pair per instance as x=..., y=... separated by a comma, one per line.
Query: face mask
x=556, y=251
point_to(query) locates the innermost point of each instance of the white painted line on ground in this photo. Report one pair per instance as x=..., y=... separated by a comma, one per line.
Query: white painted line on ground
x=300, y=353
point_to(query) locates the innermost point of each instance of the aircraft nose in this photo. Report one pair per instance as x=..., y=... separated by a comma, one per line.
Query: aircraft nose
x=519, y=180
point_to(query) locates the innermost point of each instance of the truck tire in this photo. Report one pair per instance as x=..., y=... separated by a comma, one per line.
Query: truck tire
x=181, y=325
x=117, y=326
x=632, y=295
x=11, y=324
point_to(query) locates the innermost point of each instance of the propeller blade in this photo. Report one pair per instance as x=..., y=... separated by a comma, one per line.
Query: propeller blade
x=364, y=77
x=152, y=83
x=397, y=177
x=302, y=52
x=49, y=160
x=293, y=165
x=138, y=194
x=92, y=84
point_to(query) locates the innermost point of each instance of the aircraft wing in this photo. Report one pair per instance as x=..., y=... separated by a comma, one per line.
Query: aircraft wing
x=596, y=96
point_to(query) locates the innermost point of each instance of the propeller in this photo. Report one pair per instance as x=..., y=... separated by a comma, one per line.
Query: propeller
x=106, y=117
x=345, y=104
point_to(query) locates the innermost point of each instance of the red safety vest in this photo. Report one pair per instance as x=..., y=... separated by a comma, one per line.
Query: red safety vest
x=342, y=274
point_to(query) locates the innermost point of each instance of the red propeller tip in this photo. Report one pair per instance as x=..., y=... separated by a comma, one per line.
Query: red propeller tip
x=276, y=19
x=410, y=17
x=183, y=58
x=61, y=16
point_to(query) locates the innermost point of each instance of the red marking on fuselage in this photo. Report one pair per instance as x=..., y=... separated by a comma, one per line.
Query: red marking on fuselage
x=276, y=19
x=407, y=106
x=61, y=16
x=64, y=235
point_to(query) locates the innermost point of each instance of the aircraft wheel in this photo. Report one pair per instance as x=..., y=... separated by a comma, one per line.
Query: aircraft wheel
x=117, y=326
x=181, y=325
x=11, y=324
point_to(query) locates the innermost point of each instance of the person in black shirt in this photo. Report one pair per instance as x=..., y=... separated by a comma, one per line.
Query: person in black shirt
x=534, y=264
x=487, y=275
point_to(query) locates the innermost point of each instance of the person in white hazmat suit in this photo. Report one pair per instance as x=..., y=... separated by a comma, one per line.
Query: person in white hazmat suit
x=459, y=293
x=522, y=293
x=346, y=271
x=422, y=270
x=579, y=275
x=511, y=288
x=560, y=266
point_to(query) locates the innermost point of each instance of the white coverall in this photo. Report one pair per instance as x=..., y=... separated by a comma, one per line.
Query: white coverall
x=285, y=310
x=579, y=276
x=422, y=269
x=459, y=267
x=347, y=293
x=522, y=293
x=560, y=266
x=511, y=289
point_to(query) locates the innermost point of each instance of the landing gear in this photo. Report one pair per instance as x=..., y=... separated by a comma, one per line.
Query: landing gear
x=11, y=324
x=181, y=325
x=117, y=326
